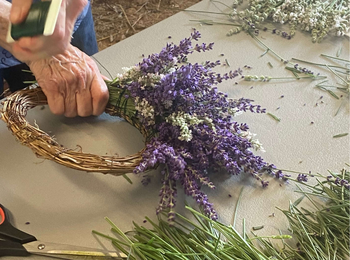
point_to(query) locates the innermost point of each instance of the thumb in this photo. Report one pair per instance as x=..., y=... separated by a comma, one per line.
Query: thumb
x=105, y=78
x=19, y=10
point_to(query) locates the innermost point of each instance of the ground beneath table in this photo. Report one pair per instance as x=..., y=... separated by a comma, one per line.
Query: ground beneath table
x=116, y=20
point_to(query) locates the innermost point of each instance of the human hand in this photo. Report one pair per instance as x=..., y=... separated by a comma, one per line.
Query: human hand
x=38, y=47
x=72, y=83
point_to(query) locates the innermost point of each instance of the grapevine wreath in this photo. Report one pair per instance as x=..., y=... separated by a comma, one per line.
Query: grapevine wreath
x=188, y=125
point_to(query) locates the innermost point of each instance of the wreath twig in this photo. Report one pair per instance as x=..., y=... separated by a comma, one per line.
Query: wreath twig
x=15, y=108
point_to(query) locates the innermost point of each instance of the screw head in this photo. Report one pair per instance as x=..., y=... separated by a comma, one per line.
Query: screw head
x=41, y=246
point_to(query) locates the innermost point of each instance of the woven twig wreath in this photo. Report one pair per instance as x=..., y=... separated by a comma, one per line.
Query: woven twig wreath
x=15, y=109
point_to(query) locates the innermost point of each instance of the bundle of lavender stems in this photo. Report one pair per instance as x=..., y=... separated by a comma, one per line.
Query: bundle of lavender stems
x=189, y=124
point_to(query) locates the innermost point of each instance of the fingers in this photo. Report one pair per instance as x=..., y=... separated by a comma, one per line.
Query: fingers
x=88, y=100
x=83, y=95
x=23, y=54
x=34, y=48
x=19, y=10
x=91, y=97
x=38, y=47
x=84, y=104
x=78, y=100
x=54, y=99
x=31, y=44
x=105, y=78
x=100, y=95
x=99, y=90
x=72, y=83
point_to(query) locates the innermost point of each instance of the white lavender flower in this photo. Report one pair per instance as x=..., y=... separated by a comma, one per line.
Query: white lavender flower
x=149, y=80
x=257, y=146
x=257, y=78
x=184, y=121
x=235, y=111
x=234, y=31
x=145, y=110
x=129, y=74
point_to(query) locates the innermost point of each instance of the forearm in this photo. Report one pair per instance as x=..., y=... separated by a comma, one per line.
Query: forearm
x=5, y=8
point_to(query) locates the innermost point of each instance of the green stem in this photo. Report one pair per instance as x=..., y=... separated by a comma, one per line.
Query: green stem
x=332, y=4
x=303, y=77
x=336, y=58
x=205, y=12
x=121, y=233
x=211, y=22
x=274, y=117
x=236, y=209
x=244, y=233
x=343, y=72
x=273, y=237
x=213, y=1
x=318, y=64
x=268, y=48
x=336, y=74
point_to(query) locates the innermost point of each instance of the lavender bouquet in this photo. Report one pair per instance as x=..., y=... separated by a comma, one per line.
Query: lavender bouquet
x=189, y=125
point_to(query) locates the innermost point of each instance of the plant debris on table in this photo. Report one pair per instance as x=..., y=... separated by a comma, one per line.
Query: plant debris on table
x=320, y=233
x=320, y=18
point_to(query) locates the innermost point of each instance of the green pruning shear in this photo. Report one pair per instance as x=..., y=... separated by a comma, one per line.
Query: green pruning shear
x=41, y=20
x=14, y=242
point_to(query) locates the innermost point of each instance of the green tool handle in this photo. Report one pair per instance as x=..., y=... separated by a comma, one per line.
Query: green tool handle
x=35, y=22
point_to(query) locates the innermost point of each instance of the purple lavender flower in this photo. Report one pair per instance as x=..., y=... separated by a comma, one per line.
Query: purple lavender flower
x=302, y=177
x=264, y=183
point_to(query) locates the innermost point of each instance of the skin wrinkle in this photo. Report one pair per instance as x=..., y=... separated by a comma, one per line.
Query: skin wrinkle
x=80, y=73
x=82, y=66
x=63, y=93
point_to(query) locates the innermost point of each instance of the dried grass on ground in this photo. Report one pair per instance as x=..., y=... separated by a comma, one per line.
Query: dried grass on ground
x=116, y=20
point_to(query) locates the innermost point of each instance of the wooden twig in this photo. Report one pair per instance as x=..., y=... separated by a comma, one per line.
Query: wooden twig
x=126, y=17
x=14, y=111
x=137, y=20
x=138, y=10
x=107, y=37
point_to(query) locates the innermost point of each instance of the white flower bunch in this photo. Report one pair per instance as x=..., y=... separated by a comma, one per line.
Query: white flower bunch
x=257, y=146
x=150, y=79
x=133, y=74
x=145, y=110
x=235, y=111
x=129, y=74
x=184, y=120
x=320, y=18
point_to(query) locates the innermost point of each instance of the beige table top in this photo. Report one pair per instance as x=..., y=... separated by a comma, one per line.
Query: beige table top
x=63, y=205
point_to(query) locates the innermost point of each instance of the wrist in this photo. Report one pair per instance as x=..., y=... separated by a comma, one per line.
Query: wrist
x=70, y=55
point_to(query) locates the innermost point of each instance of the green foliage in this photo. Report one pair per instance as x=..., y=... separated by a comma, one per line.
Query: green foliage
x=321, y=233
